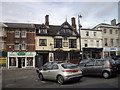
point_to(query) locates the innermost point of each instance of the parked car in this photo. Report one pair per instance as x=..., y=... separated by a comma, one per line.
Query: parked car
x=118, y=65
x=61, y=72
x=102, y=67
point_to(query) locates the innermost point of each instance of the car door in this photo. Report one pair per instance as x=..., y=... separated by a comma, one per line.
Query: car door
x=98, y=67
x=88, y=68
x=54, y=72
x=46, y=71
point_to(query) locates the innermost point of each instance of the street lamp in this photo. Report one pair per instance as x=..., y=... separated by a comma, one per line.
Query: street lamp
x=79, y=26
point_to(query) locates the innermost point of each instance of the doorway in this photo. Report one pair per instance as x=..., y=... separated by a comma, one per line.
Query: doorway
x=21, y=62
x=41, y=59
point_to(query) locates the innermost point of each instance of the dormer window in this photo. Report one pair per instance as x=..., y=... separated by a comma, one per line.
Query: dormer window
x=65, y=31
x=42, y=31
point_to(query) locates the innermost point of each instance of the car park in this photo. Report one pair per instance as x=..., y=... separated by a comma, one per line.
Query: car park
x=101, y=67
x=60, y=72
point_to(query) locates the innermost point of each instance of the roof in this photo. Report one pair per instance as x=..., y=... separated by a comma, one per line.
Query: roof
x=90, y=29
x=19, y=25
x=105, y=25
x=54, y=29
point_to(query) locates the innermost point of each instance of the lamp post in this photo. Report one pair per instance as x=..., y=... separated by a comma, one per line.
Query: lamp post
x=79, y=26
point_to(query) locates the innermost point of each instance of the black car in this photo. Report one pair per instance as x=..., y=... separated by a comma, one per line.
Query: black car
x=117, y=61
x=101, y=67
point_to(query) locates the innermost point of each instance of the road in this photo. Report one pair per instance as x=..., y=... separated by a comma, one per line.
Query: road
x=28, y=79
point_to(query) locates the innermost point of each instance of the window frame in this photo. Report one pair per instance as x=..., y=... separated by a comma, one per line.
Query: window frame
x=41, y=42
x=72, y=43
x=17, y=34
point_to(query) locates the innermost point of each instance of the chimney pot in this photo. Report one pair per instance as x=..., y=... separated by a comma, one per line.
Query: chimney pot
x=47, y=20
x=113, y=22
x=73, y=22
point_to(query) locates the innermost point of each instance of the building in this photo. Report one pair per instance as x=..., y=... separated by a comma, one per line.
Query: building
x=111, y=38
x=91, y=43
x=56, y=42
x=3, y=54
x=20, y=45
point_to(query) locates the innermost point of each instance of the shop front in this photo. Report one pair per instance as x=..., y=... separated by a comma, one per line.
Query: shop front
x=21, y=59
x=95, y=53
x=111, y=51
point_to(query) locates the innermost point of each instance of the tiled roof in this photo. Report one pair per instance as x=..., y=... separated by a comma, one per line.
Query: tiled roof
x=19, y=25
x=53, y=29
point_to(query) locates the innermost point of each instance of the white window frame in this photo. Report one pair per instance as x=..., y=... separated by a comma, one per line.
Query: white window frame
x=18, y=46
x=17, y=33
x=23, y=35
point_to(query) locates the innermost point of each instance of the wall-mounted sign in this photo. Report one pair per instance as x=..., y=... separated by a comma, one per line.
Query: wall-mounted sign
x=110, y=49
x=21, y=54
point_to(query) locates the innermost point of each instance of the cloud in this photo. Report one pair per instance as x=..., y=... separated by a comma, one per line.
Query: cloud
x=92, y=13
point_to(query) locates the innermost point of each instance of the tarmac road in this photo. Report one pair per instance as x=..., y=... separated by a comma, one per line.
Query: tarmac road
x=27, y=78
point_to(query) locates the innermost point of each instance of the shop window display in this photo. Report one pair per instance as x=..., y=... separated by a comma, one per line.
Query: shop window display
x=29, y=61
x=12, y=61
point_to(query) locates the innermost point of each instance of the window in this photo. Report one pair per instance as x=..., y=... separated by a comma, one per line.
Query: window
x=105, y=41
x=117, y=42
x=94, y=33
x=17, y=33
x=116, y=31
x=105, y=31
x=86, y=44
x=23, y=33
x=23, y=45
x=42, y=42
x=65, y=31
x=110, y=31
x=72, y=43
x=111, y=42
x=90, y=63
x=55, y=67
x=29, y=61
x=99, y=62
x=42, y=30
x=17, y=45
x=91, y=42
x=12, y=61
x=58, y=43
x=97, y=43
x=87, y=33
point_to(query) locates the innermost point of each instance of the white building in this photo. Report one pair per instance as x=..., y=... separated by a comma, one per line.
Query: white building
x=111, y=38
x=91, y=43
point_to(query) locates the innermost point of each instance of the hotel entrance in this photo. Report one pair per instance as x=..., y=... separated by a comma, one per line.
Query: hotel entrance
x=21, y=62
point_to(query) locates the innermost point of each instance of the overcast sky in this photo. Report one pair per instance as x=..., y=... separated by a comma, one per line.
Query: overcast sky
x=92, y=13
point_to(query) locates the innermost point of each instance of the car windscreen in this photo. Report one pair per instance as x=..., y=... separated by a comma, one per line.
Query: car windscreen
x=69, y=66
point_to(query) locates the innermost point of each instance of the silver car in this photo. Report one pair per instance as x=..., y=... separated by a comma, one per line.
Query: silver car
x=61, y=72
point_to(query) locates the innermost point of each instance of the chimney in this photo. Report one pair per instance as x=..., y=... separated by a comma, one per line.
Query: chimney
x=73, y=22
x=113, y=22
x=47, y=20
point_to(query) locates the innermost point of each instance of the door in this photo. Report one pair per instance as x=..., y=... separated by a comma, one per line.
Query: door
x=21, y=62
x=53, y=72
x=88, y=68
x=98, y=67
x=46, y=71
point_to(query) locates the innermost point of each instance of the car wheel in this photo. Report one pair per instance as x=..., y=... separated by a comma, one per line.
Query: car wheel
x=60, y=79
x=106, y=75
x=41, y=77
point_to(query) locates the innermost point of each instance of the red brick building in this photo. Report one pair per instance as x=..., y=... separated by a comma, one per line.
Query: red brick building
x=20, y=45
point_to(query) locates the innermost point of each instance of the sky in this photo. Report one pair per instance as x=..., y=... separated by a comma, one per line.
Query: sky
x=34, y=11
